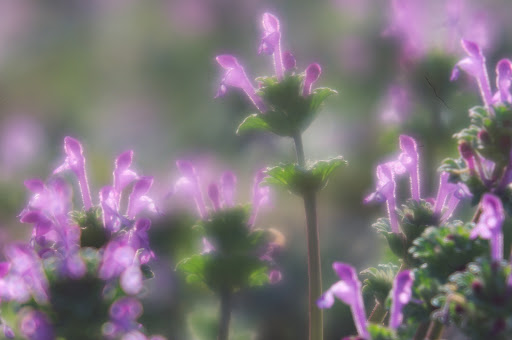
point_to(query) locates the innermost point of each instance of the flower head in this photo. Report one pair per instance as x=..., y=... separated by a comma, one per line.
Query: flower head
x=312, y=74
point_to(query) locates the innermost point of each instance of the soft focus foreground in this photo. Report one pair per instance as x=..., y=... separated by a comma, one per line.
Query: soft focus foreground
x=139, y=75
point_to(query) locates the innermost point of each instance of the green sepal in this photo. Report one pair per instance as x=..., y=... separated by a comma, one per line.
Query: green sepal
x=396, y=241
x=378, y=281
x=300, y=180
x=289, y=113
x=93, y=232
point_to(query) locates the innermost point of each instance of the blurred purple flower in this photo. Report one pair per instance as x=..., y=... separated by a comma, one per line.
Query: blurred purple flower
x=35, y=326
x=21, y=141
x=124, y=313
x=396, y=105
x=503, y=81
x=401, y=295
x=235, y=76
x=220, y=194
x=348, y=290
x=490, y=224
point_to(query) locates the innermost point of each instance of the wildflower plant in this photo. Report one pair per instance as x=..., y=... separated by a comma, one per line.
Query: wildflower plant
x=287, y=104
x=235, y=253
x=81, y=272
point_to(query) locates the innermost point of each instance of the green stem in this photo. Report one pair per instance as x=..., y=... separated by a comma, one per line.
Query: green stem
x=378, y=313
x=314, y=264
x=421, y=331
x=435, y=329
x=225, y=315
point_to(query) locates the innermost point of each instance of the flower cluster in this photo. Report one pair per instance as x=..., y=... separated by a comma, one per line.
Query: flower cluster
x=92, y=256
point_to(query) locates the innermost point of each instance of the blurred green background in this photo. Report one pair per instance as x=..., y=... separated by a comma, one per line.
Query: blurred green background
x=141, y=75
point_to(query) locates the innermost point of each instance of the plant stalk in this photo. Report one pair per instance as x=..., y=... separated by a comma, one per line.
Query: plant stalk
x=225, y=314
x=314, y=263
x=378, y=313
x=435, y=330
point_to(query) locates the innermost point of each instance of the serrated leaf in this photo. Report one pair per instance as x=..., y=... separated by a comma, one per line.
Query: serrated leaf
x=253, y=122
x=259, y=277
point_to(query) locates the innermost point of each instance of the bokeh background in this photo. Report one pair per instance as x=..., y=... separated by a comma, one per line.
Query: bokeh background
x=141, y=75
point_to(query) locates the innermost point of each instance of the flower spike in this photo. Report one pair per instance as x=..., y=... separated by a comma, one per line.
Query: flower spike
x=409, y=159
x=235, y=76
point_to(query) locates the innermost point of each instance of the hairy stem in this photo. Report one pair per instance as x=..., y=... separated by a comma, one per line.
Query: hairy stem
x=225, y=315
x=435, y=329
x=314, y=264
x=378, y=313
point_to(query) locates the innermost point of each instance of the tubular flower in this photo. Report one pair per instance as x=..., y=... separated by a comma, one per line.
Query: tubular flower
x=348, y=290
x=235, y=77
x=401, y=295
x=449, y=196
x=312, y=72
x=490, y=224
x=271, y=42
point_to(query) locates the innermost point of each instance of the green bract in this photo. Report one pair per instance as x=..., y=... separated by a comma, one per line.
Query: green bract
x=236, y=260
x=300, y=180
x=378, y=281
x=289, y=113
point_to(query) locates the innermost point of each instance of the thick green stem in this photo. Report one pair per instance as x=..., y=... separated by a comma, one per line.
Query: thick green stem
x=314, y=264
x=225, y=315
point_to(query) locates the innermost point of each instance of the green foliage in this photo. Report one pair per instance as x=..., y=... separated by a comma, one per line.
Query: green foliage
x=447, y=249
x=300, y=180
x=378, y=281
x=479, y=300
x=379, y=332
x=424, y=289
x=235, y=263
x=289, y=113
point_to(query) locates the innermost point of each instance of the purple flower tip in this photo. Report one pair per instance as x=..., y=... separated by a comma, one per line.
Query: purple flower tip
x=289, y=61
x=312, y=74
x=275, y=276
x=472, y=48
x=270, y=22
x=72, y=147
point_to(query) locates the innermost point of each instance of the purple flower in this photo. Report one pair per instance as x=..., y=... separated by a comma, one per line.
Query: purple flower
x=260, y=195
x=75, y=161
x=409, y=159
x=386, y=191
x=348, y=290
x=503, y=81
x=138, y=200
x=449, y=196
x=312, y=74
x=123, y=175
x=227, y=186
x=289, y=62
x=396, y=105
x=25, y=276
x=8, y=332
x=124, y=313
x=401, y=295
x=189, y=183
x=35, y=326
x=271, y=42
x=235, y=76
x=474, y=65
x=490, y=224
x=275, y=276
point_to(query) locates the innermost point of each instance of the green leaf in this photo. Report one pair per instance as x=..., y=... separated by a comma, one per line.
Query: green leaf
x=378, y=281
x=253, y=122
x=318, y=96
x=300, y=180
x=194, y=267
x=258, y=277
